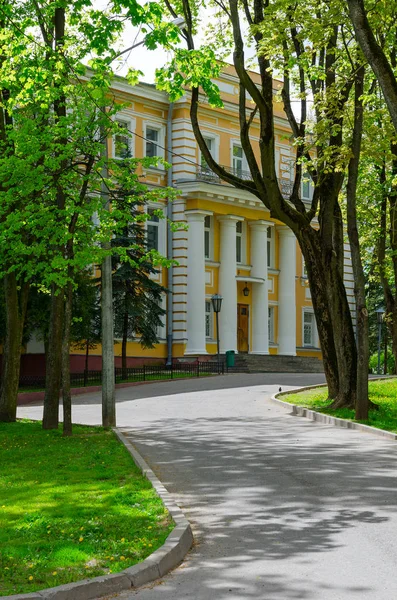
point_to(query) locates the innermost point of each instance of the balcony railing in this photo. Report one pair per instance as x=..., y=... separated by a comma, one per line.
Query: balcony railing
x=206, y=174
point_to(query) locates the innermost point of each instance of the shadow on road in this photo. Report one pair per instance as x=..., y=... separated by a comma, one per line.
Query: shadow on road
x=274, y=497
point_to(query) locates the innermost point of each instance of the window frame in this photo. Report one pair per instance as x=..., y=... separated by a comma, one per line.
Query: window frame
x=130, y=126
x=270, y=324
x=161, y=223
x=161, y=130
x=270, y=241
x=244, y=164
x=243, y=243
x=209, y=314
x=314, y=344
x=210, y=231
x=214, y=151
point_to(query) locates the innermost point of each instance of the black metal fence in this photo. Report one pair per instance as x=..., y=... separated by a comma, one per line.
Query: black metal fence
x=144, y=373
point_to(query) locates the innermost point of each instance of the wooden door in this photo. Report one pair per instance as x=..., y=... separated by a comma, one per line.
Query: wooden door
x=242, y=327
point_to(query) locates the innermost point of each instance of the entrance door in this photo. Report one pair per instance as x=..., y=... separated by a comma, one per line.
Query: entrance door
x=242, y=327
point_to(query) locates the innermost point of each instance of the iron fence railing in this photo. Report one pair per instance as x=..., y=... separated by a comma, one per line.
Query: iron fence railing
x=143, y=373
x=206, y=174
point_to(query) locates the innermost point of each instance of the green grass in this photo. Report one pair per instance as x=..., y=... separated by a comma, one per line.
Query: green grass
x=382, y=392
x=71, y=508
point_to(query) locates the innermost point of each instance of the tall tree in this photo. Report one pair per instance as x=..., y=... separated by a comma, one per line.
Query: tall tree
x=136, y=295
x=51, y=168
x=306, y=43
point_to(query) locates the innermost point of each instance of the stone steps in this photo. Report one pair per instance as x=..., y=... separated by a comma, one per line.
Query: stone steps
x=254, y=363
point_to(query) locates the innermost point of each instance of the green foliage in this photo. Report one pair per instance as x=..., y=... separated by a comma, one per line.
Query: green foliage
x=71, y=508
x=136, y=295
x=373, y=362
x=383, y=393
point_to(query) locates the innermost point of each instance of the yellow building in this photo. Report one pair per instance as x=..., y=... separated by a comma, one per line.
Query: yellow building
x=230, y=245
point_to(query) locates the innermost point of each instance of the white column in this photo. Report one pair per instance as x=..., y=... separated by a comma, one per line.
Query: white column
x=228, y=283
x=286, y=292
x=195, y=284
x=260, y=301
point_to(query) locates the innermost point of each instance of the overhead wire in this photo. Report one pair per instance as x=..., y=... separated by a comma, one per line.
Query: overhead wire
x=31, y=39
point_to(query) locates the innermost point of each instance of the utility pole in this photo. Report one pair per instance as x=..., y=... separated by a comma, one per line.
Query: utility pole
x=108, y=383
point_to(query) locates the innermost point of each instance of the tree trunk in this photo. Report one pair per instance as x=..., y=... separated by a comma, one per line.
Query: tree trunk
x=66, y=396
x=54, y=361
x=15, y=317
x=333, y=319
x=362, y=399
x=310, y=251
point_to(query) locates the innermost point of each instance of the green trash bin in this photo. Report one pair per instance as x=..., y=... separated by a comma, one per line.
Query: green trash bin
x=230, y=358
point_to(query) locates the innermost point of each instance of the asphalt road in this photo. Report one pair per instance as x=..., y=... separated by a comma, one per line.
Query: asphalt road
x=281, y=508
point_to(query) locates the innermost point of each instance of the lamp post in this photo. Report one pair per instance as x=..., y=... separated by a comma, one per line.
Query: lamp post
x=216, y=300
x=380, y=313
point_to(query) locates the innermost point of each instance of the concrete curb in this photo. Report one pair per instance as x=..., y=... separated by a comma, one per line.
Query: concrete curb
x=167, y=557
x=300, y=411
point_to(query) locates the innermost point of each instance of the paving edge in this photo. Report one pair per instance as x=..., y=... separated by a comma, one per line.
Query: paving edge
x=164, y=559
x=301, y=411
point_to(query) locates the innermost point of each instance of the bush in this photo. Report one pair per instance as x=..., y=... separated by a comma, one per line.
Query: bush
x=373, y=362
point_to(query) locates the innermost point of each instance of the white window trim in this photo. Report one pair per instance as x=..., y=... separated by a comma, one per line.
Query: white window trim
x=271, y=328
x=272, y=263
x=162, y=330
x=211, y=313
x=315, y=333
x=131, y=126
x=243, y=236
x=236, y=142
x=162, y=239
x=304, y=272
x=211, y=232
x=161, y=128
x=215, y=149
x=310, y=182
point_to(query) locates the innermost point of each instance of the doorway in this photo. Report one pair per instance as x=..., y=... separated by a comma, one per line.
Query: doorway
x=242, y=327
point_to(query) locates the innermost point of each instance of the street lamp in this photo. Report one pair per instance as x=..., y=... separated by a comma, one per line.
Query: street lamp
x=380, y=313
x=216, y=300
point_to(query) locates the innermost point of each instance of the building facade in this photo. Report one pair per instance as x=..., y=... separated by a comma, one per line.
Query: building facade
x=226, y=244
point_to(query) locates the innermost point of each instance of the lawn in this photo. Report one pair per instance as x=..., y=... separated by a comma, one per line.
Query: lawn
x=71, y=508
x=381, y=392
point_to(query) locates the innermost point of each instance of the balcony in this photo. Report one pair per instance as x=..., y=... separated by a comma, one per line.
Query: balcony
x=206, y=174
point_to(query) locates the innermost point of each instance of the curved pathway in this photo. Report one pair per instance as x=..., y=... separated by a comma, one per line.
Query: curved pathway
x=282, y=508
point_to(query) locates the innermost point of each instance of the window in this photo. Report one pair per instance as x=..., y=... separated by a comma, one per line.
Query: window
x=152, y=225
x=210, y=145
x=239, y=242
x=152, y=140
x=122, y=141
x=308, y=328
x=238, y=159
x=305, y=187
x=270, y=261
x=271, y=325
x=207, y=236
x=304, y=272
x=208, y=319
